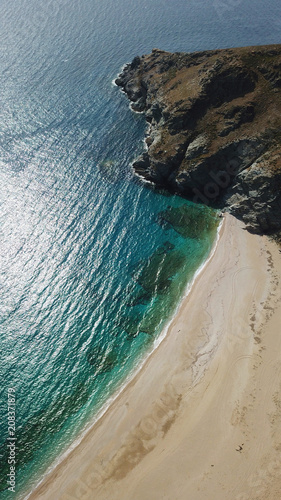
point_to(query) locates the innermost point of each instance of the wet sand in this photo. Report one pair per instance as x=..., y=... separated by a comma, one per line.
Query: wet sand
x=202, y=418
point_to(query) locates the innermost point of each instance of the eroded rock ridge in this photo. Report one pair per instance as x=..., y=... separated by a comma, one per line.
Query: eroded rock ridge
x=214, y=132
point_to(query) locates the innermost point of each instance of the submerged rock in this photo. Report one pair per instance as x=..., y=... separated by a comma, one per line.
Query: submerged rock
x=109, y=171
x=189, y=221
x=215, y=122
x=102, y=361
x=140, y=298
x=159, y=270
x=133, y=325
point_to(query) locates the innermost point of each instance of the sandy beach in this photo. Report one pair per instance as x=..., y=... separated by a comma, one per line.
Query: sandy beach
x=202, y=418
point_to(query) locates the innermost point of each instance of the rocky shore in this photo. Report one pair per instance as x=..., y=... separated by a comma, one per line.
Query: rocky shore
x=214, y=132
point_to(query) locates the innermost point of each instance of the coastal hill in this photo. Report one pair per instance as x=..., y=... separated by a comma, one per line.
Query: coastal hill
x=215, y=128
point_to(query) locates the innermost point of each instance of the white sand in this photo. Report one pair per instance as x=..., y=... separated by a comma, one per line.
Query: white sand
x=201, y=420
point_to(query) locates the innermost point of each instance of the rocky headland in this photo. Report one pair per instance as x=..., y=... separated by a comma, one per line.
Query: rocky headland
x=214, y=132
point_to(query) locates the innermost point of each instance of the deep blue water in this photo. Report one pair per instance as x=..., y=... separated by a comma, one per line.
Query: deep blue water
x=90, y=270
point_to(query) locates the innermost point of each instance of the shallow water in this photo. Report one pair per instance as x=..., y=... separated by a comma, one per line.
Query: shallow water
x=92, y=262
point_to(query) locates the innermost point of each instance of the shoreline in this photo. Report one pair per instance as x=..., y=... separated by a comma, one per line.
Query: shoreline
x=137, y=446
x=130, y=378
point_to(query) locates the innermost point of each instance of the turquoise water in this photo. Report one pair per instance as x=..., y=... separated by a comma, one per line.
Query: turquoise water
x=92, y=262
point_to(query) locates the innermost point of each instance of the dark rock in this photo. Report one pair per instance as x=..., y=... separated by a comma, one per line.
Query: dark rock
x=215, y=122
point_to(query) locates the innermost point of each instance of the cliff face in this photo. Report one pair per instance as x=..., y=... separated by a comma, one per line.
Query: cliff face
x=215, y=128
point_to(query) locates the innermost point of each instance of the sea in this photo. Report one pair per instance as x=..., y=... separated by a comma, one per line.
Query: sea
x=93, y=262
